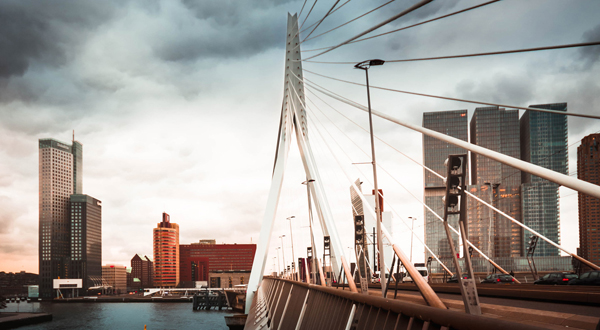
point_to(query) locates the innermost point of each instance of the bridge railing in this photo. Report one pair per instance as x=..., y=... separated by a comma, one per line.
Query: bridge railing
x=284, y=304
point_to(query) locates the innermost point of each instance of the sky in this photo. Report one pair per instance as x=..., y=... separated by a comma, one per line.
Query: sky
x=177, y=106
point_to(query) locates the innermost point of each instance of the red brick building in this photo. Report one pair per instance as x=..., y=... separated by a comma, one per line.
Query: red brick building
x=197, y=260
x=588, y=169
x=166, y=253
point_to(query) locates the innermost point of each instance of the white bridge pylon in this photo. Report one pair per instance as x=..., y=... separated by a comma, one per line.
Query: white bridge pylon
x=293, y=117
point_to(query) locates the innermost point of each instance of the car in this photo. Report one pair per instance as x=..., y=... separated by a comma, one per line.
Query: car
x=589, y=278
x=556, y=278
x=454, y=278
x=498, y=279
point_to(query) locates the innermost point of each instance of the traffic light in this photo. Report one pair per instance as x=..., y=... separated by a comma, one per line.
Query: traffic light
x=454, y=199
x=359, y=230
x=326, y=241
x=309, y=252
x=531, y=244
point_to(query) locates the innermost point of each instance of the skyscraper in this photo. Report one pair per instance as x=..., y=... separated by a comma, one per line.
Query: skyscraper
x=435, y=153
x=60, y=177
x=86, y=239
x=496, y=183
x=166, y=253
x=543, y=143
x=588, y=169
x=143, y=269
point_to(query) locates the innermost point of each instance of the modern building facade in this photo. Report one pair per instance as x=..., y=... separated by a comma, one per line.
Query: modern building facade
x=116, y=277
x=166, y=253
x=86, y=239
x=435, y=152
x=543, y=143
x=142, y=268
x=60, y=176
x=588, y=169
x=496, y=183
x=199, y=260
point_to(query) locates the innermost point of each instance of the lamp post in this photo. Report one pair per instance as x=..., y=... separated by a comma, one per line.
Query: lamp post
x=293, y=256
x=365, y=65
x=278, y=268
x=283, y=253
x=312, y=238
x=412, y=233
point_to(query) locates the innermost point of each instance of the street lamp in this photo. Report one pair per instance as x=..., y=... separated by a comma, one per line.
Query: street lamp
x=278, y=268
x=282, y=252
x=412, y=233
x=293, y=256
x=365, y=65
x=312, y=238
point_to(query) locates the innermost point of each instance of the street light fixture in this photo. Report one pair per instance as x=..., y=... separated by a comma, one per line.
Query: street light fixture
x=412, y=233
x=365, y=65
x=278, y=268
x=312, y=238
x=293, y=256
x=282, y=252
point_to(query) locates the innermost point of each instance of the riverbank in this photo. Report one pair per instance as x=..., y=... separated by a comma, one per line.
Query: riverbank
x=127, y=299
x=14, y=320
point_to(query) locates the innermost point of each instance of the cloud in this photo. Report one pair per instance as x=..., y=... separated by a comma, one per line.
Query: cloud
x=499, y=88
x=590, y=55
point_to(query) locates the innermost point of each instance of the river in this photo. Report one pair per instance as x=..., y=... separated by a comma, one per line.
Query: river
x=154, y=315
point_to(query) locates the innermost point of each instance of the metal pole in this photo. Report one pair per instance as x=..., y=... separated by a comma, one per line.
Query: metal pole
x=293, y=256
x=278, y=268
x=312, y=239
x=377, y=208
x=283, y=253
x=412, y=234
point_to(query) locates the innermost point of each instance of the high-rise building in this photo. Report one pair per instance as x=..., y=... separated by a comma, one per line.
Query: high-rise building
x=142, y=268
x=166, y=253
x=86, y=239
x=60, y=176
x=543, y=143
x=588, y=169
x=435, y=152
x=217, y=263
x=116, y=277
x=496, y=183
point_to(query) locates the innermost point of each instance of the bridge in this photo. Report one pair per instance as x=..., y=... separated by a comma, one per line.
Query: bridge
x=331, y=293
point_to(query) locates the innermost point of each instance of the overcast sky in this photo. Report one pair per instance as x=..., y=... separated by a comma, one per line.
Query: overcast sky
x=177, y=106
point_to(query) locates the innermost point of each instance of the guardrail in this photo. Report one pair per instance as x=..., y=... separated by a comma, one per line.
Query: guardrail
x=284, y=304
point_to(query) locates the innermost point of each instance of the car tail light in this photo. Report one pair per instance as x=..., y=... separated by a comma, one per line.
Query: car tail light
x=513, y=279
x=565, y=279
x=497, y=280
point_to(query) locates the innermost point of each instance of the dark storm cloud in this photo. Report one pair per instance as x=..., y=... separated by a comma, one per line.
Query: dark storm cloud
x=499, y=88
x=591, y=54
x=44, y=31
x=233, y=29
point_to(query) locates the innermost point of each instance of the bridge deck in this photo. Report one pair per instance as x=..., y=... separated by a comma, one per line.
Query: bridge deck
x=283, y=304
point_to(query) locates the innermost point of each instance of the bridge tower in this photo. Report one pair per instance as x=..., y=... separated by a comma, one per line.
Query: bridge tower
x=293, y=119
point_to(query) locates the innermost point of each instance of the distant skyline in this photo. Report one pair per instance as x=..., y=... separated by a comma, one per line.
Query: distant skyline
x=177, y=104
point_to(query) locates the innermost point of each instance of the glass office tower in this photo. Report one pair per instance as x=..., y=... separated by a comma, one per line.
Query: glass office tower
x=544, y=143
x=435, y=152
x=496, y=183
x=86, y=239
x=58, y=162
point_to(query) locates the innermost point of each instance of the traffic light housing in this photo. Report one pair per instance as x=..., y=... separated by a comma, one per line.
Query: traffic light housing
x=359, y=230
x=454, y=199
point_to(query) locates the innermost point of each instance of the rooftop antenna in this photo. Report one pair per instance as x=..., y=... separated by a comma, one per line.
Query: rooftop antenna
x=73, y=135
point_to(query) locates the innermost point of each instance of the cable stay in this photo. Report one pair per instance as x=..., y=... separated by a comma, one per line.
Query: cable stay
x=524, y=50
x=561, y=179
x=350, y=21
x=418, y=200
x=322, y=19
x=364, y=175
x=313, y=24
x=459, y=100
x=408, y=27
x=304, y=4
x=307, y=15
x=391, y=19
